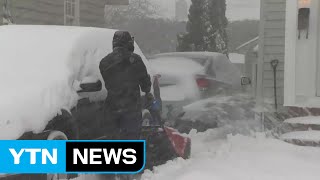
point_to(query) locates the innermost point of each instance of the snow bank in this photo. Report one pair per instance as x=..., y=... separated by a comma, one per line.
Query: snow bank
x=221, y=109
x=39, y=65
x=217, y=155
x=313, y=136
x=238, y=152
x=309, y=120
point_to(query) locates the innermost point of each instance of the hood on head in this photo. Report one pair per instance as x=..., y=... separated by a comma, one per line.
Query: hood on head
x=123, y=39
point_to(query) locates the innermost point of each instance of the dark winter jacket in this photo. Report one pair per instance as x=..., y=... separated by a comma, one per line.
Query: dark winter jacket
x=124, y=73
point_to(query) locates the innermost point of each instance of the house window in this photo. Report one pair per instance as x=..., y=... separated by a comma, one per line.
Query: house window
x=71, y=12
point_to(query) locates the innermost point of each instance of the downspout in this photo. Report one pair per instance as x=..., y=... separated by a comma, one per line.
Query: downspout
x=274, y=64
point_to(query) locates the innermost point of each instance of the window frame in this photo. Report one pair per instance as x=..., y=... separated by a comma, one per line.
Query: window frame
x=72, y=12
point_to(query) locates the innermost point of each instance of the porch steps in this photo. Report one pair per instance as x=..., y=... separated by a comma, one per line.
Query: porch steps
x=304, y=131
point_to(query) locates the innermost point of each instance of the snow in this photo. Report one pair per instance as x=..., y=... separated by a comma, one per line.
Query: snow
x=227, y=154
x=221, y=109
x=237, y=58
x=309, y=120
x=180, y=74
x=177, y=66
x=172, y=93
x=238, y=151
x=225, y=71
x=40, y=66
x=313, y=136
x=193, y=54
x=256, y=48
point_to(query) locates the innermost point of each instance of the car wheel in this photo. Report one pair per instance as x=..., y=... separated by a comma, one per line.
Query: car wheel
x=56, y=135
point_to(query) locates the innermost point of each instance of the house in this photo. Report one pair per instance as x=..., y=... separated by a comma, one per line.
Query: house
x=53, y=12
x=250, y=51
x=288, y=68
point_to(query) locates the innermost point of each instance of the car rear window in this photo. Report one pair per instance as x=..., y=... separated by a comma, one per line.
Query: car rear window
x=207, y=63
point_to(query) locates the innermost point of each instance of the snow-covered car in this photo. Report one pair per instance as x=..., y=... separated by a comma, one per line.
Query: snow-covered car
x=51, y=87
x=186, y=77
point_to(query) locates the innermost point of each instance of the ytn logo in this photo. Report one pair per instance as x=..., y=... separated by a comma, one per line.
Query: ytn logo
x=32, y=153
x=105, y=156
x=63, y=157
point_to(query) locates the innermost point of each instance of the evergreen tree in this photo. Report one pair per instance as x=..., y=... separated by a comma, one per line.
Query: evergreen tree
x=206, y=27
x=216, y=37
x=194, y=38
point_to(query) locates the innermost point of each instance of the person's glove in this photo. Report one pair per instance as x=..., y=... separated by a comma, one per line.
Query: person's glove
x=149, y=99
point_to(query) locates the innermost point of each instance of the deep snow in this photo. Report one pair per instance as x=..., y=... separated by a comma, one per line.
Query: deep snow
x=237, y=151
x=218, y=155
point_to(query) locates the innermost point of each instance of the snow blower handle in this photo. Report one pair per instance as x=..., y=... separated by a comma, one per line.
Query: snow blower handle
x=154, y=107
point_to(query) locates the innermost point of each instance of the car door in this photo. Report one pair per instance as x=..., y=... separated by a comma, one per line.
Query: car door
x=89, y=116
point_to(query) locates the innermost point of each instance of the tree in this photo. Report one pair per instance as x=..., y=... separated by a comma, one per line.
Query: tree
x=206, y=27
x=194, y=38
x=216, y=37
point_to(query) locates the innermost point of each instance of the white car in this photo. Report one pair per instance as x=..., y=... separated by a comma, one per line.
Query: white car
x=186, y=77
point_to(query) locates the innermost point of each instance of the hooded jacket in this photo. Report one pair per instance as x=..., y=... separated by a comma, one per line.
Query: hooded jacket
x=124, y=73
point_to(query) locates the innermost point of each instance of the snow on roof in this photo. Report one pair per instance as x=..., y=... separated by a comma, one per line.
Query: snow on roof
x=237, y=58
x=248, y=43
x=39, y=64
x=199, y=54
x=302, y=135
x=309, y=120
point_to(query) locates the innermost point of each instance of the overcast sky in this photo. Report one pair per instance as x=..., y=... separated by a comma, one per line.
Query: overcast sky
x=236, y=9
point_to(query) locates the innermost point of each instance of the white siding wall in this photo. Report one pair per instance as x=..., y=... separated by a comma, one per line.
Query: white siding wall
x=51, y=12
x=38, y=12
x=92, y=13
x=271, y=46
